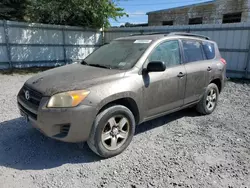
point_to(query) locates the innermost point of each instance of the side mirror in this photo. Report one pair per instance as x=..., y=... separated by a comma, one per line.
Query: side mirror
x=156, y=66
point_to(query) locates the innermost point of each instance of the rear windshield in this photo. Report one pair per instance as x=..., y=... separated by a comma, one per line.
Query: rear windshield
x=120, y=54
x=209, y=50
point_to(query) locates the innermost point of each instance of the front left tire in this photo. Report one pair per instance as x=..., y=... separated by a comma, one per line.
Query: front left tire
x=112, y=131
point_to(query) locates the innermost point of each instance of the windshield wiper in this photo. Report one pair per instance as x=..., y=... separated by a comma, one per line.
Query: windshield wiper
x=101, y=66
x=84, y=62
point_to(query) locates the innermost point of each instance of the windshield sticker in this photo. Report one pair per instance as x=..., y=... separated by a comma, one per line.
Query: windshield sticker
x=143, y=41
x=122, y=64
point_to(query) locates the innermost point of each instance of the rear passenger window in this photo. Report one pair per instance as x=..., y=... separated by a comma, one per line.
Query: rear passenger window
x=209, y=50
x=192, y=51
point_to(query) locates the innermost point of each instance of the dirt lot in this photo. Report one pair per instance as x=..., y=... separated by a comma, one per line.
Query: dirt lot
x=178, y=150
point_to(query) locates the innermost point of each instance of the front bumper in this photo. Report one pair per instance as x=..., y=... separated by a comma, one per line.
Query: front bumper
x=64, y=124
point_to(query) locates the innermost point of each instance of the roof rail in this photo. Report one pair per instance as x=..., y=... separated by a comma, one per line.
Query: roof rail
x=188, y=35
x=137, y=34
x=173, y=34
x=153, y=33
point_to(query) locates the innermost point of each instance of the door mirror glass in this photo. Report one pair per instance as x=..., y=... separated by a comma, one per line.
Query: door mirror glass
x=156, y=66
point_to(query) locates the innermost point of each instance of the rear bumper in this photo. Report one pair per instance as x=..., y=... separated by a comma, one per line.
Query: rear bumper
x=64, y=124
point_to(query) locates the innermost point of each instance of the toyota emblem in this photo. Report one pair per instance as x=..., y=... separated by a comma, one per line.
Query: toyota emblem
x=27, y=95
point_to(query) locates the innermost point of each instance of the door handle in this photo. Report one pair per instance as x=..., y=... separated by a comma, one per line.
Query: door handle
x=180, y=75
x=209, y=69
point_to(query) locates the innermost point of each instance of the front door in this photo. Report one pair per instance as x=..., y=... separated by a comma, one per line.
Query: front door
x=164, y=91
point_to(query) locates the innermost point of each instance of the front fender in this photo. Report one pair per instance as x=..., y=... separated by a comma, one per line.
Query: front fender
x=106, y=93
x=117, y=96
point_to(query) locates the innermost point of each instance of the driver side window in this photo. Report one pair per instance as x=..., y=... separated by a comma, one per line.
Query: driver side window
x=168, y=52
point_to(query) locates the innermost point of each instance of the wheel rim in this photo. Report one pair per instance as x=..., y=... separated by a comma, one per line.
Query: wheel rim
x=211, y=99
x=115, y=132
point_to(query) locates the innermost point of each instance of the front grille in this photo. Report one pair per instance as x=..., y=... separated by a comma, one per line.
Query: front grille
x=34, y=97
x=29, y=105
x=27, y=112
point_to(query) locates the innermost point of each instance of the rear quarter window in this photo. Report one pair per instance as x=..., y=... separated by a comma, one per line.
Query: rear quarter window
x=209, y=50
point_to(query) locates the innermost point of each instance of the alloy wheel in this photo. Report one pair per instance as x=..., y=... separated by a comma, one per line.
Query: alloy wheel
x=211, y=99
x=115, y=132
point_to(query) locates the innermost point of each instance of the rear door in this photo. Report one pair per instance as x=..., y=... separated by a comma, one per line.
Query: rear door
x=213, y=62
x=197, y=68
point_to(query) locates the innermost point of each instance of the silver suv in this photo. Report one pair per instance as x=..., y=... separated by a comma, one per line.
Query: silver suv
x=129, y=81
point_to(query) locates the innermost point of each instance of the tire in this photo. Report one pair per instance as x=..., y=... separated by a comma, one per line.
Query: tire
x=109, y=125
x=205, y=106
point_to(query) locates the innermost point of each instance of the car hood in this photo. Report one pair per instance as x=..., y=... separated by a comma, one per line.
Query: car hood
x=71, y=77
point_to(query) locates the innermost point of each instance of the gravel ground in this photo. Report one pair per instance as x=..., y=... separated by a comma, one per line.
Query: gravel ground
x=178, y=150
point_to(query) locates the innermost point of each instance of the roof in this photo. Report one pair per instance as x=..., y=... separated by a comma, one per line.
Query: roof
x=182, y=7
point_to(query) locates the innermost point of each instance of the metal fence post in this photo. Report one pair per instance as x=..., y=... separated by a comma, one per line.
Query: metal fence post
x=141, y=31
x=103, y=35
x=64, y=47
x=248, y=57
x=6, y=33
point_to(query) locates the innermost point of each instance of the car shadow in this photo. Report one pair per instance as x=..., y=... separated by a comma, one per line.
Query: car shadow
x=152, y=124
x=24, y=148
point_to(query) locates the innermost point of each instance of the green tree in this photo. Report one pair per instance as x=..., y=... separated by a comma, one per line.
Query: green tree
x=12, y=10
x=87, y=13
x=90, y=13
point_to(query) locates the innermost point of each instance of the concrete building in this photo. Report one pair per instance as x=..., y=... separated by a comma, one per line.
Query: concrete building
x=211, y=12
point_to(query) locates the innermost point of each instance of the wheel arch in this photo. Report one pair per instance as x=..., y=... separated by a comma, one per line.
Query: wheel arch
x=128, y=102
x=217, y=81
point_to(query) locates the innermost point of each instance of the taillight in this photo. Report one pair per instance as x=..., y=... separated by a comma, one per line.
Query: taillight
x=223, y=61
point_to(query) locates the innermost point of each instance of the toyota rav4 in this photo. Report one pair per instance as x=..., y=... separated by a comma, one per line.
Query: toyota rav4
x=122, y=84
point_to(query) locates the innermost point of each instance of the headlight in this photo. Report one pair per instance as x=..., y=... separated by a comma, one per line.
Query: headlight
x=67, y=99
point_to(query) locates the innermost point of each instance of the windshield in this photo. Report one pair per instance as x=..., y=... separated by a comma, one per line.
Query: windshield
x=120, y=54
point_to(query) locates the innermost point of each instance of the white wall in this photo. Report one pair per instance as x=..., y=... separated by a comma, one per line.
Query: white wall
x=52, y=45
x=45, y=45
